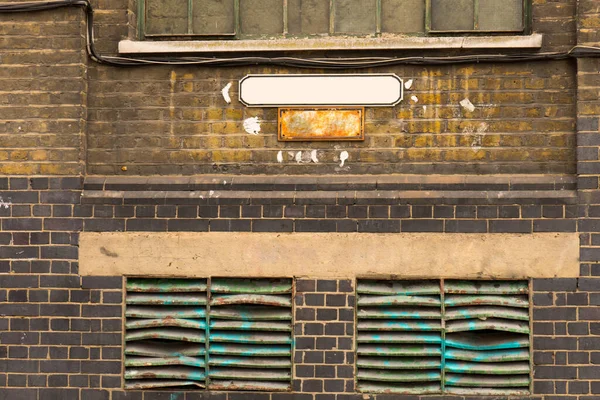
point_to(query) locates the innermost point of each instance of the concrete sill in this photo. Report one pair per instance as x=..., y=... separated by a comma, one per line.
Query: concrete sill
x=333, y=43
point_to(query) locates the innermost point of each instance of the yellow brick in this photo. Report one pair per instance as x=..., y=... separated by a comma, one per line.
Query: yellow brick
x=18, y=155
x=424, y=141
x=38, y=155
x=60, y=169
x=231, y=155
x=446, y=141
x=465, y=155
x=403, y=141
x=233, y=142
x=213, y=142
x=234, y=113
x=254, y=141
x=18, y=168
x=214, y=114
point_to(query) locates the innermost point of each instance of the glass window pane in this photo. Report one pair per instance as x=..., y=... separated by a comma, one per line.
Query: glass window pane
x=403, y=16
x=211, y=17
x=501, y=15
x=167, y=17
x=452, y=15
x=261, y=16
x=355, y=16
x=308, y=16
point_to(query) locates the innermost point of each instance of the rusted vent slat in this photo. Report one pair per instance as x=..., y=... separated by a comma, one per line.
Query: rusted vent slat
x=487, y=337
x=399, y=340
x=165, y=333
x=250, y=334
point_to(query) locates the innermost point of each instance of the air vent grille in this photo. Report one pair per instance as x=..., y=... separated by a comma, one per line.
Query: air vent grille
x=487, y=337
x=165, y=333
x=250, y=334
x=471, y=338
x=399, y=337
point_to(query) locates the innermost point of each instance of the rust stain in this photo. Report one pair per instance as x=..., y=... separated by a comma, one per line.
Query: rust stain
x=307, y=124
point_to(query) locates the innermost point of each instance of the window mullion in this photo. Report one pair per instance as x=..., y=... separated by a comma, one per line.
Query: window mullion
x=236, y=17
x=285, y=17
x=378, y=16
x=331, y=17
x=476, y=15
x=190, y=27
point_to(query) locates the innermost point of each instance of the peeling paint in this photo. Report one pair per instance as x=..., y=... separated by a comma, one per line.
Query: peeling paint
x=343, y=157
x=467, y=105
x=414, y=98
x=252, y=125
x=314, y=156
x=225, y=93
x=298, y=157
x=280, y=156
x=5, y=204
x=408, y=84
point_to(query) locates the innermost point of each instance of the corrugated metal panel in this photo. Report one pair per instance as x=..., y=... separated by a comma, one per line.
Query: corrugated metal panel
x=399, y=339
x=250, y=334
x=487, y=337
x=165, y=333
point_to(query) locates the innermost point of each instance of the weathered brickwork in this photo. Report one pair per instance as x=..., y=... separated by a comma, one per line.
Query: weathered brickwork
x=43, y=88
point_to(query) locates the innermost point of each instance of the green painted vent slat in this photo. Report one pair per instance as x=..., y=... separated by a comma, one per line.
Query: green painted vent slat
x=399, y=340
x=165, y=333
x=250, y=340
x=487, y=337
x=472, y=338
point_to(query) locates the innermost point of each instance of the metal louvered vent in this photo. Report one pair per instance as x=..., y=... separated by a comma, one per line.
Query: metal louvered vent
x=487, y=337
x=399, y=338
x=250, y=334
x=165, y=333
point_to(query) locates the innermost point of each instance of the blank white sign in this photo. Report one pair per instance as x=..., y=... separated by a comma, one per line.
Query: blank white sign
x=373, y=90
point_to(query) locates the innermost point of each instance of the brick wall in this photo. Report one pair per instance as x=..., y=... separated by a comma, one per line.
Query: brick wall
x=43, y=89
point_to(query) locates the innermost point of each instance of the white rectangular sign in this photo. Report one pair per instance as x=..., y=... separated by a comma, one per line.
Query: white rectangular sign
x=371, y=90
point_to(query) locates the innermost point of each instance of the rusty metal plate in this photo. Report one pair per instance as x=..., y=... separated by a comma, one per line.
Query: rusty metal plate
x=314, y=124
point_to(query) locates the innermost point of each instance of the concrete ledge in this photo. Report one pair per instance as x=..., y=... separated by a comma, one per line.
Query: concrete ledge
x=330, y=255
x=331, y=43
x=333, y=182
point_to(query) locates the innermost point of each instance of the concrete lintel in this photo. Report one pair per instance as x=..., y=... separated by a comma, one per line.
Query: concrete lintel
x=333, y=43
x=330, y=255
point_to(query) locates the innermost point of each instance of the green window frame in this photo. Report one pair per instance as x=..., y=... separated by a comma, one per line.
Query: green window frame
x=261, y=19
x=475, y=19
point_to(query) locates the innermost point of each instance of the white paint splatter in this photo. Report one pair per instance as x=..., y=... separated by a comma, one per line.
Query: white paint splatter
x=224, y=182
x=414, y=98
x=314, y=156
x=211, y=193
x=225, y=93
x=343, y=157
x=5, y=204
x=467, y=105
x=252, y=125
x=280, y=156
x=424, y=108
x=298, y=157
x=408, y=84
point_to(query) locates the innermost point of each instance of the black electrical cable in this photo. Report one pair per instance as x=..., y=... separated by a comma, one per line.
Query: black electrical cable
x=323, y=63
